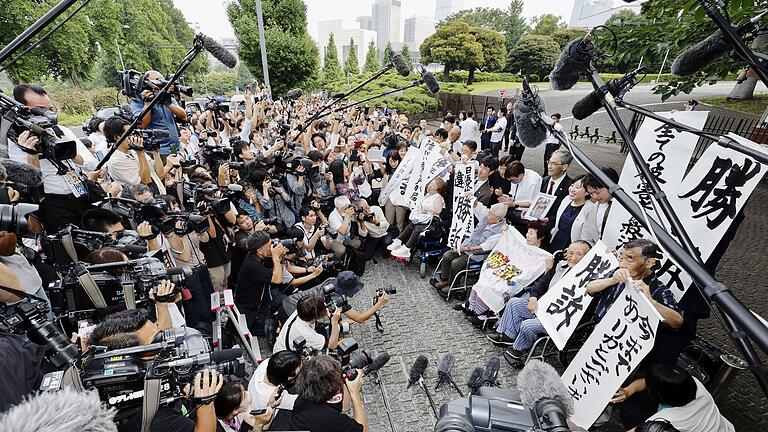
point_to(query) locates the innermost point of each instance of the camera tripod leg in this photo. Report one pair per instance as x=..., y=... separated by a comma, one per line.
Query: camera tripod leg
x=246, y=342
x=429, y=397
x=453, y=383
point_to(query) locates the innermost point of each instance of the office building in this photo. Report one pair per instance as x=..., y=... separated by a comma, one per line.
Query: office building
x=444, y=8
x=366, y=22
x=386, y=22
x=341, y=38
x=417, y=28
x=590, y=13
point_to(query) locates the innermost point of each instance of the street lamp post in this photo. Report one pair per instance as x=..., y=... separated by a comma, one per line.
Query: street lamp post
x=263, y=46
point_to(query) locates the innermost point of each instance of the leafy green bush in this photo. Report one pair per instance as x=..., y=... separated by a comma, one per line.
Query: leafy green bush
x=462, y=76
x=105, y=97
x=72, y=101
x=533, y=77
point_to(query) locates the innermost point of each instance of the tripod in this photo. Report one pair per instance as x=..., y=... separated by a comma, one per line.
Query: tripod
x=223, y=305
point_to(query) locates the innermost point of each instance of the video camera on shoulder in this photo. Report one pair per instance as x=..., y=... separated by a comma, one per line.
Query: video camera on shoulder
x=133, y=83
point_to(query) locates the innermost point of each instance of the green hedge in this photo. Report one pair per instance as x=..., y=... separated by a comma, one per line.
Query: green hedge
x=462, y=76
x=84, y=102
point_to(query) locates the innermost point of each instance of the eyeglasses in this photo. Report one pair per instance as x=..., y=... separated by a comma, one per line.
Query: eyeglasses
x=554, y=163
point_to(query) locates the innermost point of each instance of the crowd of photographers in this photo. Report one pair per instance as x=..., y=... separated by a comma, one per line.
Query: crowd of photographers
x=136, y=237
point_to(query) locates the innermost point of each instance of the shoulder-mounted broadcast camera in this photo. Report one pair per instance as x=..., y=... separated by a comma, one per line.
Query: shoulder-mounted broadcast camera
x=133, y=83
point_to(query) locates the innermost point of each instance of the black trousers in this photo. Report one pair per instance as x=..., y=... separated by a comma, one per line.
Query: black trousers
x=58, y=211
x=495, y=149
x=373, y=244
x=485, y=141
x=516, y=151
x=506, y=139
x=551, y=148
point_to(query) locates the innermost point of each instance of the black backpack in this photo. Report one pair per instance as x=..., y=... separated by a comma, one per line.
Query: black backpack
x=354, y=261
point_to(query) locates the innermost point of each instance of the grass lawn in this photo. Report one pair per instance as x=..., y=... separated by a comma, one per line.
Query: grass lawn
x=72, y=119
x=755, y=106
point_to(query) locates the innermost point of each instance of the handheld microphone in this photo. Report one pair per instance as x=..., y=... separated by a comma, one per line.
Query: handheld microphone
x=539, y=380
x=490, y=375
x=294, y=94
x=217, y=51
x=444, y=368
x=66, y=410
x=475, y=380
x=401, y=66
x=528, y=110
x=710, y=49
x=417, y=370
x=376, y=364
x=590, y=103
x=430, y=81
x=207, y=358
x=573, y=61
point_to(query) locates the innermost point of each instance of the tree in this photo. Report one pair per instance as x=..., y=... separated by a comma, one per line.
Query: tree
x=671, y=25
x=331, y=68
x=533, y=54
x=405, y=51
x=388, y=51
x=350, y=66
x=565, y=35
x=371, y=59
x=292, y=55
x=546, y=24
x=509, y=22
x=494, y=51
x=453, y=45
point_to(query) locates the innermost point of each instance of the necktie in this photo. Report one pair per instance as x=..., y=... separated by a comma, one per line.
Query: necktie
x=605, y=218
x=551, y=186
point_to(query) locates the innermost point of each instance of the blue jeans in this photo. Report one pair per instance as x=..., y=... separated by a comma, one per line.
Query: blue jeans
x=520, y=324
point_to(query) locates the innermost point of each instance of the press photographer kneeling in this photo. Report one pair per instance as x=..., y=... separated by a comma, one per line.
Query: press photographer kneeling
x=309, y=311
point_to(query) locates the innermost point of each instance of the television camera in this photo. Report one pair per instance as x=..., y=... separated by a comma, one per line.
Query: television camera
x=133, y=83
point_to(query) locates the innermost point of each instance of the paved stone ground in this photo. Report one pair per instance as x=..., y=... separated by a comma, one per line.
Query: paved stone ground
x=417, y=321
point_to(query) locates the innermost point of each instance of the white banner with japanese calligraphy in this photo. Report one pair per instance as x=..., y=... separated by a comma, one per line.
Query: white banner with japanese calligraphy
x=618, y=343
x=399, y=179
x=667, y=153
x=512, y=265
x=563, y=305
x=428, y=166
x=463, y=221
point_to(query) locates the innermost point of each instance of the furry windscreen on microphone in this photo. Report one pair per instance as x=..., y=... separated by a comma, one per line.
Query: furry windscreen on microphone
x=417, y=370
x=61, y=411
x=475, y=380
x=573, y=61
x=529, y=130
x=21, y=173
x=446, y=364
x=587, y=106
x=401, y=66
x=539, y=380
x=219, y=52
x=431, y=82
x=700, y=55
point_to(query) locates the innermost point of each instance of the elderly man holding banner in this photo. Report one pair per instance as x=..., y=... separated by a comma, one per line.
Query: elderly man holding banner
x=483, y=239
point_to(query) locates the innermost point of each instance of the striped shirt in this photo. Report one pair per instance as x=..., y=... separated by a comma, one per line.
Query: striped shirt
x=659, y=292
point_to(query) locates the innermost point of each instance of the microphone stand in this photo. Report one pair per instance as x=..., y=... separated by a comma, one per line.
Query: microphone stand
x=721, y=140
x=377, y=380
x=738, y=317
x=429, y=396
x=197, y=48
x=741, y=49
x=449, y=378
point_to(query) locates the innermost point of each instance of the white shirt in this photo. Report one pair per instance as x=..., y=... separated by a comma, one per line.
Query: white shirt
x=308, y=233
x=470, y=130
x=528, y=187
x=554, y=186
x=52, y=182
x=124, y=169
x=601, y=209
x=335, y=220
x=380, y=230
x=699, y=415
x=299, y=328
x=99, y=142
x=501, y=124
x=551, y=138
x=260, y=391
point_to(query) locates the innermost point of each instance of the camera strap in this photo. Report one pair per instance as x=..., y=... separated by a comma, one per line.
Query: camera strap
x=379, y=324
x=288, y=333
x=84, y=277
x=151, y=403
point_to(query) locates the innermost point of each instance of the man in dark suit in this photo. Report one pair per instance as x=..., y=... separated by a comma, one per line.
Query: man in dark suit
x=557, y=180
x=510, y=129
x=483, y=190
x=488, y=122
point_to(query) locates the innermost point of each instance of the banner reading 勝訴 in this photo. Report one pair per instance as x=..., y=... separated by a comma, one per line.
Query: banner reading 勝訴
x=463, y=221
x=562, y=306
x=427, y=167
x=511, y=266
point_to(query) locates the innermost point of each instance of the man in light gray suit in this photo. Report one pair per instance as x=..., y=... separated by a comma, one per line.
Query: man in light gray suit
x=470, y=129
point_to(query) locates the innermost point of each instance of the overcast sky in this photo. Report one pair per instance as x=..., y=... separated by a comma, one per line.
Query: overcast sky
x=212, y=15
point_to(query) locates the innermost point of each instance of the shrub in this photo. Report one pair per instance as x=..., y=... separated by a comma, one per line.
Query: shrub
x=72, y=101
x=105, y=97
x=533, y=77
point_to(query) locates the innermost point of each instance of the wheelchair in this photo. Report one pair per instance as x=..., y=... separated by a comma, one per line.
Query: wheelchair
x=473, y=267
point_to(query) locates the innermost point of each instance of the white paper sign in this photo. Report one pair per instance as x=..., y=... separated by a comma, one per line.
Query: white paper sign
x=667, y=153
x=512, y=266
x=426, y=168
x=562, y=306
x=399, y=179
x=463, y=221
x=618, y=344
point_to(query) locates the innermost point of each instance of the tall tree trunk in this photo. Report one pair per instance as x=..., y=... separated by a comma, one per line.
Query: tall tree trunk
x=746, y=89
x=75, y=79
x=446, y=73
x=471, y=77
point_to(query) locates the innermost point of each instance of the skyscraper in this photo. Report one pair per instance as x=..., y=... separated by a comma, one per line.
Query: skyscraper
x=443, y=8
x=386, y=21
x=591, y=13
x=366, y=22
x=417, y=28
x=342, y=37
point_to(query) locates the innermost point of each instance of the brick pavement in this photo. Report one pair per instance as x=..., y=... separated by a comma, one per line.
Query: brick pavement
x=418, y=321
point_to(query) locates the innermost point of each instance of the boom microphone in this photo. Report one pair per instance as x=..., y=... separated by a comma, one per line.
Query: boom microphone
x=217, y=51
x=444, y=368
x=539, y=380
x=590, y=103
x=221, y=356
x=710, y=49
x=294, y=94
x=528, y=110
x=490, y=375
x=65, y=410
x=430, y=81
x=26, y=179
x=401, y=66
x=573, y=61
x=376, y=364
x=417, y=370
x=475, y=380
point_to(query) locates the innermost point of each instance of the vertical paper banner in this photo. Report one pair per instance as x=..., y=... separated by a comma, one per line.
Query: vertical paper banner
x=463, y=221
